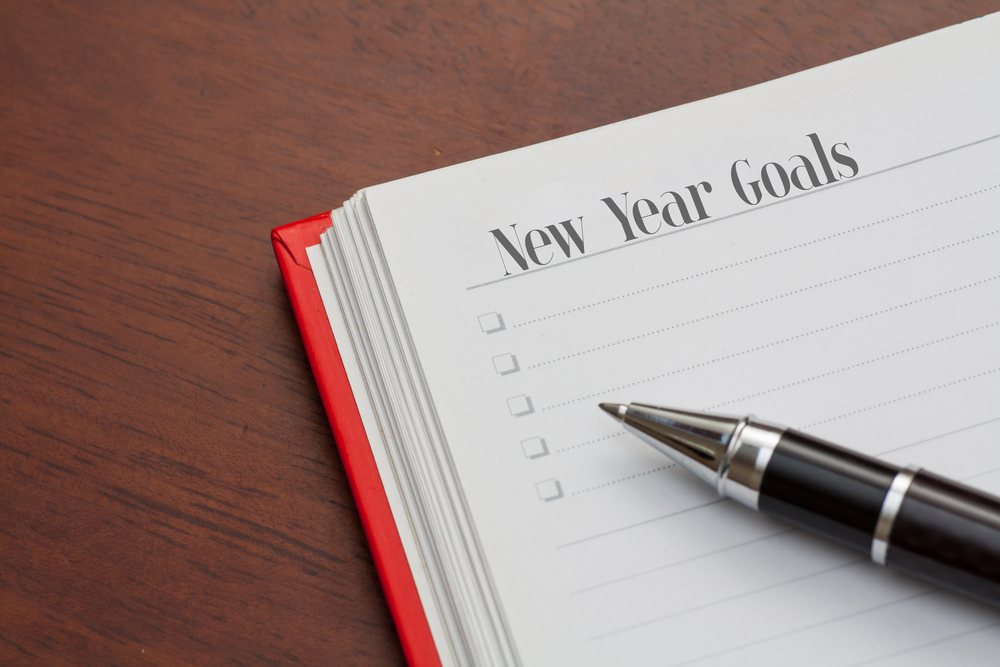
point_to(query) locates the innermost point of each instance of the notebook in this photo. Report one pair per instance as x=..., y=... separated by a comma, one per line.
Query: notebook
x=822, y=250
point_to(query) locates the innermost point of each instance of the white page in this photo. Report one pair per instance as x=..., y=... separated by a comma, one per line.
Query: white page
x=865, y=311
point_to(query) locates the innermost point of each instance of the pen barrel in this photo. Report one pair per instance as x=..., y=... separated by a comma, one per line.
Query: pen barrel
x=949, y=534
x=825, y=489
x=940, y=531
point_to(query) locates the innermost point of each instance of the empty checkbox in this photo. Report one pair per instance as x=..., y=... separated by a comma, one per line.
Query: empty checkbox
x=491, y=322
x=506, y=364
x=549, y=490
x=534, y=447
x=520, y=405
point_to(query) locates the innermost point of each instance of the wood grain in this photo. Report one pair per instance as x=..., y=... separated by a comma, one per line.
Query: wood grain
x=169, y=489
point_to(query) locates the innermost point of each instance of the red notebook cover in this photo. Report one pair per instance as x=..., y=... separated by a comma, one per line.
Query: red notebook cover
x=290, y=243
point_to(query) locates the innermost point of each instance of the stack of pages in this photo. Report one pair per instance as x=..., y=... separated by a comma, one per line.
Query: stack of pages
x=822, y=251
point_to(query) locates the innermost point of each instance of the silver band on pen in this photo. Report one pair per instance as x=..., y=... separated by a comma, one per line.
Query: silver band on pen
x=890, y=509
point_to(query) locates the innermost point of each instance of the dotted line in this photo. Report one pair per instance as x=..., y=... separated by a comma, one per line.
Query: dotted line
x=772, y=344
x=754, y=259
x=901, y=398
x=852, y=366
x=762, y=301
x=590, y=442
x=623, y=479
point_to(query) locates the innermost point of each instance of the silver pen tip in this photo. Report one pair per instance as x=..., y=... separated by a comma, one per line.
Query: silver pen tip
x=616, y=410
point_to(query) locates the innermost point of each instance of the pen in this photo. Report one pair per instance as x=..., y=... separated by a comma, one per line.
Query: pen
x=908, y=519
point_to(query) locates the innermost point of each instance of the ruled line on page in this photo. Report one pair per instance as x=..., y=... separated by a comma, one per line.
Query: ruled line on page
x=675, y=563
x=853, y=320
x=716, y=501
x=702, y=225
x=589, y=442
x=919, y=647
x=811, y=626
x=714, y=603
x=771, y=299
x=902, y=398
x=941, y=435
x=853, y=366
x=980, y=474
x=629, y=478
x=743, y=262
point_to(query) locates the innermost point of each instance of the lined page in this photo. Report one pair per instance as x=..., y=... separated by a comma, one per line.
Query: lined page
x=821, y=251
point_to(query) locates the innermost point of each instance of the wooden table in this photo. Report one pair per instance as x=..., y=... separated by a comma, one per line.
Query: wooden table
x=170, y=493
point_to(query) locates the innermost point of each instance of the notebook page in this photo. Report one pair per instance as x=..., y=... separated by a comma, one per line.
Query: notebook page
x=827, y=259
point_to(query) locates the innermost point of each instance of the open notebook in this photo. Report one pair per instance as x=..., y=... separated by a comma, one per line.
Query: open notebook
x=822, y=251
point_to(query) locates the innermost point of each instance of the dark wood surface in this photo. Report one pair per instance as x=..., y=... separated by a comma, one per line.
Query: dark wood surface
x=170, y=493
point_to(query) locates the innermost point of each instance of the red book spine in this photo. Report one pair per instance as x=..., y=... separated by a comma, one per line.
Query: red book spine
x=290, y=242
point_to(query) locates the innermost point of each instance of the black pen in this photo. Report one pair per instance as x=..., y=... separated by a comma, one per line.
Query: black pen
x=906, y=518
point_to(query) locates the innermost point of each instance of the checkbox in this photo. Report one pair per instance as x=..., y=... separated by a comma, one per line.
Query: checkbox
x=506, y=364
x=491, y=323
x=520, y=405
x=534, y=447
x=549, y=490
